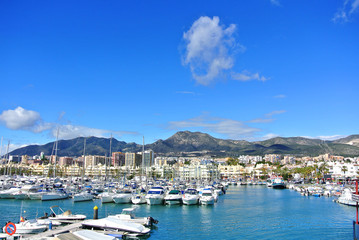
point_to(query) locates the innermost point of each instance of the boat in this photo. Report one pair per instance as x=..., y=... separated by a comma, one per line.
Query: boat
x=54, y=195
x=128, y=215
x=65, y=216
x=37, y=195
x=106, y=197
x=207, y=197
x=190, y=197
x=25, y=190
x=346, y=198
x=28, y=227
x=9, y=193
x=111, y=223
x=82, y=196
x=138, y=198
x=155, y=196
x=173, y=197
x=278, y=183
x=123, y=197
x=269, y=182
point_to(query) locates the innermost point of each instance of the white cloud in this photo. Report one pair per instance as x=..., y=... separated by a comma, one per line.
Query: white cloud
x=280, y=96
x=247, y=76
x=275, y=113
x=269, y=136
x=328, y=138
x=228, y=127
x=345, y=12
x=22, y=119
x=209, y=49
x=186, y=92
x=72, y=131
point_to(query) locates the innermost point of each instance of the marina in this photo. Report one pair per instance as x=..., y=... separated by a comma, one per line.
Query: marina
x=244, y=212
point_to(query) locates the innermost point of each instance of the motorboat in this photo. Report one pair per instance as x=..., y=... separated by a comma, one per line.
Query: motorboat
x=269, y=182
x=138, y=198
x=128, y=215
x=9, y=193
x=190, y=197
x=106, y=197
x=54, y=195
x=82, y=196
x=28, y=227
x=114, y=224
x=278, y=183
x=347, y=198
x=37, y=195
x=155, y=196
x=207, y=197
x=123, y=197
x=173, y=197
x=65, y=216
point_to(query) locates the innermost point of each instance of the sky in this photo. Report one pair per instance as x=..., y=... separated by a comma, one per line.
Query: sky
x=236, y=69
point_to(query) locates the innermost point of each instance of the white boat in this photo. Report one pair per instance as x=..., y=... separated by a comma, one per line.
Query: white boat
x=55, y=195
x=25, y=190
x=173, y=197
x=82, y=196
x=207, y=197
x=190, y=197
x=347, y=198
x=37, y=195
x=106, y=197
x=28, y=226
x=278, y=183
x=65, y=216
x=111, y=223
x=128, y=215
x=123, y=197
x=92, y=235
x=47, y=222
x=9, y=193
x=138, y=198
x=155, y=196
x=269, y=182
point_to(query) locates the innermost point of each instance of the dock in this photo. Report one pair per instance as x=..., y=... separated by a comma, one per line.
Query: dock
x=57, y=231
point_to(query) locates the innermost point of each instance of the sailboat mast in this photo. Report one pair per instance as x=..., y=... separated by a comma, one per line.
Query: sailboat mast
x=110, y=157
x=7, y=159
x=57, y=138
x=83, y=163
x=1, y=148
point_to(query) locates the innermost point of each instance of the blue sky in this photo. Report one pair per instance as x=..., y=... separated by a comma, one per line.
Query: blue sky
x=234, y=69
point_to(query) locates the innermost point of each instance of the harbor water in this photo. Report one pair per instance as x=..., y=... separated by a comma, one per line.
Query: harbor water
x=245, y=212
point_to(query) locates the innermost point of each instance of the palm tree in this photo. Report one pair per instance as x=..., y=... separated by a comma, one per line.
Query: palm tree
x=344, y=169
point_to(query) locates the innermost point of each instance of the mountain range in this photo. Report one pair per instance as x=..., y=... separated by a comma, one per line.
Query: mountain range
x=186, y=143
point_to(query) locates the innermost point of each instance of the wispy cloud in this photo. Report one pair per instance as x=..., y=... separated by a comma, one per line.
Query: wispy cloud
x=231, y=128
x=328, y=138
x=269, y=136
x=268, y=117
x=247, y=76
x=29, y=120
x=186, y=92
x=346, y=11
x=209, y=49
x=275, y=2
x=275, y=113
x=280, y=96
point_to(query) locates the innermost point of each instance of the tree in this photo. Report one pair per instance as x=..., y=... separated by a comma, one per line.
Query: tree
x=344, y=169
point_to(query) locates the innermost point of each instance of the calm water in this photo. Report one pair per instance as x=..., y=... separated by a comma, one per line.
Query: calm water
x=245, y=212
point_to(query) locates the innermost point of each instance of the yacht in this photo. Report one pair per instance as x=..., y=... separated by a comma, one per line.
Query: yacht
x=54, y=195
x=138, y=198
x=9, y=193
x=207, y=197
x=155, y=196
x=25, y=190
x=173, y=197
x=190, y=197
x=82, y=196
x=37, y=195
x=106, y=197
x=123, y=197
x=347, y=198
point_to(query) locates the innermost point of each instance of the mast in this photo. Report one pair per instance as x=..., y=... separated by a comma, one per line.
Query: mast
x=7, y=159
x=143, y=157
x=57, y=138
x=1, y=148
x=83, y=165
x=110, y=157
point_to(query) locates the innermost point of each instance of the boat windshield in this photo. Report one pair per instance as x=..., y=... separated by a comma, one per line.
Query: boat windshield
x=155, y=192
x=206, y=194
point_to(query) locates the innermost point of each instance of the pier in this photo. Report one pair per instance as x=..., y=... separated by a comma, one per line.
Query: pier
x=51, y=233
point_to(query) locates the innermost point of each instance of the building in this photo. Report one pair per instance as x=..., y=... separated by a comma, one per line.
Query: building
x=66, y=161
x=133, y=160
x=118, y=159
x=148, y=158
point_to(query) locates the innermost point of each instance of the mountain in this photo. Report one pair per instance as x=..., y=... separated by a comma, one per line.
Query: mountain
x=187, y=143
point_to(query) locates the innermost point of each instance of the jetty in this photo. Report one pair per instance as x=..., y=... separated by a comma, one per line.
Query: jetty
x=59, y=230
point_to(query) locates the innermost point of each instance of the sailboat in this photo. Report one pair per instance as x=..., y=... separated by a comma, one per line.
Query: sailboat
x=140, y=196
